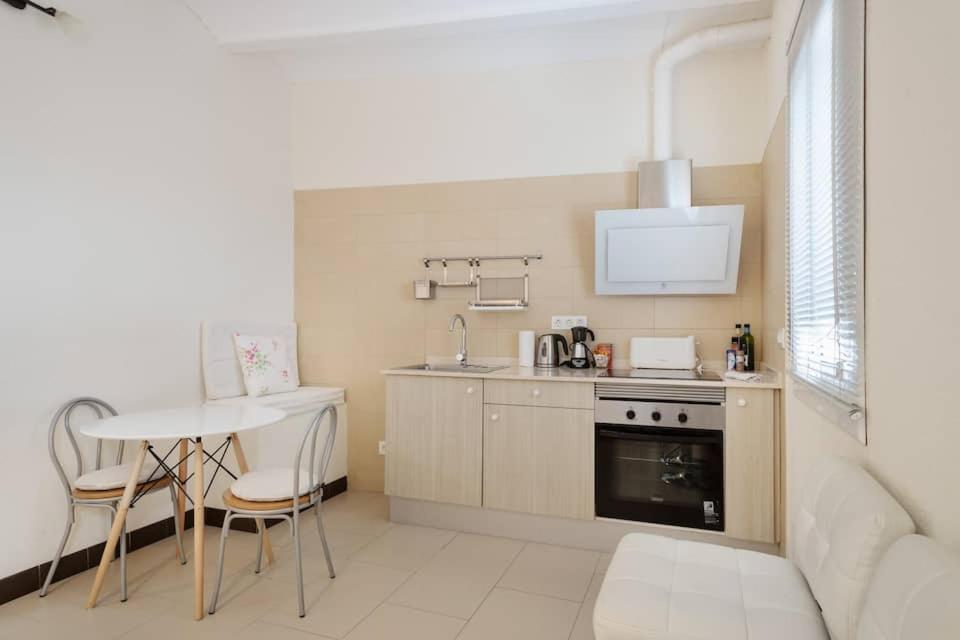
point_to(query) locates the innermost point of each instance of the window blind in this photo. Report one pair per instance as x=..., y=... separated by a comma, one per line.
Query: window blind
x=825, y=206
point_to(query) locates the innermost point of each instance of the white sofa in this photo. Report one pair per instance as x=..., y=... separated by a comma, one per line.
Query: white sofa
x=858, y=574
x=223, y=381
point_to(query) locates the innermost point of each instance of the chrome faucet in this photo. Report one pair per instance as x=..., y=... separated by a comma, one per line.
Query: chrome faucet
x=462, y=353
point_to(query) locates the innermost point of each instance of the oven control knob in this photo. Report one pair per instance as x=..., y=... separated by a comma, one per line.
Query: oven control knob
x=655, y=416
x=682, y=418
x=631, y=414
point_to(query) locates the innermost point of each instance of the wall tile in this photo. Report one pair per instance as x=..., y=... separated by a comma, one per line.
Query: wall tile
x=696, y=312
x=460, y=226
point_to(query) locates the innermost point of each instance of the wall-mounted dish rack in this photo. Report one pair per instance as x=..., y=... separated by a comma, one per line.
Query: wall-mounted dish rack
x=426, y=289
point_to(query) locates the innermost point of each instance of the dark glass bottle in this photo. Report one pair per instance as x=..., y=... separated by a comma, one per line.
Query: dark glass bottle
x=748, y=346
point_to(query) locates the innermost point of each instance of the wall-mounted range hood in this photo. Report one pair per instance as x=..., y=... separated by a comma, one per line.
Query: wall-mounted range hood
x=667, y=246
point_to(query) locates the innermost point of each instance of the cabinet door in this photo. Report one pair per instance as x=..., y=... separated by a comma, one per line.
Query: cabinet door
x=538, y=460
x=434, y=438
x=750, y=461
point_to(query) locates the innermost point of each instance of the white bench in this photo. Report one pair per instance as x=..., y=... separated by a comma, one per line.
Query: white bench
x=845, y=527
x=223, y=381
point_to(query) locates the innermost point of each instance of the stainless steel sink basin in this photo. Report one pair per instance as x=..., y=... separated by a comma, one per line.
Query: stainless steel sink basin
x=451, y=368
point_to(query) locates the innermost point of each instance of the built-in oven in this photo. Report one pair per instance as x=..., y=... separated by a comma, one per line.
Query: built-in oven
x=659, y=454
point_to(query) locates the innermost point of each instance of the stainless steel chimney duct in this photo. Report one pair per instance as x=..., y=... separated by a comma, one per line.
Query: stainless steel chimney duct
x=664, y=183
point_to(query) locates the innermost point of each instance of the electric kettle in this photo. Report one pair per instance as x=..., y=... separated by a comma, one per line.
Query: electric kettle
x=548, y=350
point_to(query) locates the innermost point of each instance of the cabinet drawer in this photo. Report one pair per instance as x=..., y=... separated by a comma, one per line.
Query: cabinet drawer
x=567, y=395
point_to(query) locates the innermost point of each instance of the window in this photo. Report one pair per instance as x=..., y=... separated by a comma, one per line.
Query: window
x=825, y=209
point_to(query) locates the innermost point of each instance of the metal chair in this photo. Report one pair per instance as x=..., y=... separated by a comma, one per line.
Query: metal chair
x=270, y=494
x=101, y=488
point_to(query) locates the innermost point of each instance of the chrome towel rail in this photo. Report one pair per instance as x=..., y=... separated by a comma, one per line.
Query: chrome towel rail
x=424, y=289
x=475, y=259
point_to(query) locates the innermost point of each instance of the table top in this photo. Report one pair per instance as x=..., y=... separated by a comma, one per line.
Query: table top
x=197, y=422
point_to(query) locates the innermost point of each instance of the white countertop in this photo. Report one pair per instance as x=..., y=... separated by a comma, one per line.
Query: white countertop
x=768, y=378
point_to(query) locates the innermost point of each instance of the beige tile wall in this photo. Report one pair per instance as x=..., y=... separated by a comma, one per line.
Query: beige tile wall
x=358, y=251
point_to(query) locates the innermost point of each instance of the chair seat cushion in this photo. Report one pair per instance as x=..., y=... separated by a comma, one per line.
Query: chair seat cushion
x=114, y=477
x=659, y=587
x=239, y=504
x=269, y=485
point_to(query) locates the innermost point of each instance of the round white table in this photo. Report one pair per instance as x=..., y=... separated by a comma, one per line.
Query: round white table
x=184, y=425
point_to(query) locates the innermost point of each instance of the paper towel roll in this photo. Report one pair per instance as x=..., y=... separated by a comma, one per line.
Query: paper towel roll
x=526, y=348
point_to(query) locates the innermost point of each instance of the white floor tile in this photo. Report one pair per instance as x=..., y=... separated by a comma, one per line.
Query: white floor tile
x=559, y=572
x=509, y=615
x=405, y=547
x=583, y=627
x=358, y=511
x=456, y=580
x=336, y=606
x=394, y=581
x=402, y=623
x=604, y=562
x=267, y=631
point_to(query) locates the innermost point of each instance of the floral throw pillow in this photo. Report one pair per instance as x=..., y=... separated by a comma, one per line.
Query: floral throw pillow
x=265, y=364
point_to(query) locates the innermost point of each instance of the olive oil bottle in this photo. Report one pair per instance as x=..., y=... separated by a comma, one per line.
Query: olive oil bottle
x=748, y=346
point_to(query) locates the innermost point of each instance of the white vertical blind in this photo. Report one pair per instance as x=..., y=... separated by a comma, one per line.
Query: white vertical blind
x=825, y=196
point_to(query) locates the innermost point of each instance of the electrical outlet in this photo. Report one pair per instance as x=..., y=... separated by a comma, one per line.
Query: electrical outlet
x=382, y=447
x=568, y=322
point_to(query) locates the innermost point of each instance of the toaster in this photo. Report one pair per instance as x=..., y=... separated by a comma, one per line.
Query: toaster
x=663, y=353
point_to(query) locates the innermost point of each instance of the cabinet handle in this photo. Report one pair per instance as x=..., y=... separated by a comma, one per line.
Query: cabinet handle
x=494, y=417
x=469, y=390
x=741, y=402
x=536, y=393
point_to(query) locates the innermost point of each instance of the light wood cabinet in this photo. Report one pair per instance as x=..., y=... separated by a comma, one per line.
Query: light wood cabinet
x=434, y=438
x=538, y=460
x=534, y=393
x=751, y=454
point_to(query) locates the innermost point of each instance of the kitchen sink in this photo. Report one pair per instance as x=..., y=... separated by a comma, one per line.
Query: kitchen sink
x=451, y=368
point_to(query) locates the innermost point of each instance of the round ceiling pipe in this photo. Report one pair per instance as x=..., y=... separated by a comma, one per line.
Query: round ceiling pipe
x=731, y=36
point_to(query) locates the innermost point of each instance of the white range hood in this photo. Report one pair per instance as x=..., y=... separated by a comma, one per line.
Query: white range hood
x=667, y=247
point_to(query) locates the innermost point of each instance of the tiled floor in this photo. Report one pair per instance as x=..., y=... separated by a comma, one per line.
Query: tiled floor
x=393, y=581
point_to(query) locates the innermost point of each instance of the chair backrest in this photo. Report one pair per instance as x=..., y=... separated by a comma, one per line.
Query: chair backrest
x=64, y=415
x=844, y=523
x=915, y=594
x=319, y=460
x=222, y=376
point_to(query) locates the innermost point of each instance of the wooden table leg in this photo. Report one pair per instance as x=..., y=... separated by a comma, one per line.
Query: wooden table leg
x=198, y=532
x=181, y=492
x=117, y=529
x=244, y=468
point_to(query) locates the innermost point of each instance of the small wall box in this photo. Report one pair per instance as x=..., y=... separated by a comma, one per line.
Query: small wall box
x=424, y=289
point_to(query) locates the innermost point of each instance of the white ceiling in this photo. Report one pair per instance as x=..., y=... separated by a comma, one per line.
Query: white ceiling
x=322, y=39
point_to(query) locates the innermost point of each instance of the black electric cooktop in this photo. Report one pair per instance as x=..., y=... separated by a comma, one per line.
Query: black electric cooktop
x=660, y=374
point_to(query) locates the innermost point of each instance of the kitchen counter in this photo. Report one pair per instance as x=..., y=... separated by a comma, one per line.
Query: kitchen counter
x=769, y=378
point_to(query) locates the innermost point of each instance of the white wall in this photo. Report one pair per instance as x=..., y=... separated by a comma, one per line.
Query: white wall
x=569, y=118
x=144, y=187
x=912, y=311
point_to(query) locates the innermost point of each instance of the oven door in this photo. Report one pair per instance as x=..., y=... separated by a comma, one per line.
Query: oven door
x=665, y=476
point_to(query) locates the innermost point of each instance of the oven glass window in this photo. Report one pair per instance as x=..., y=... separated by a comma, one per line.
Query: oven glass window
x=665, y=476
